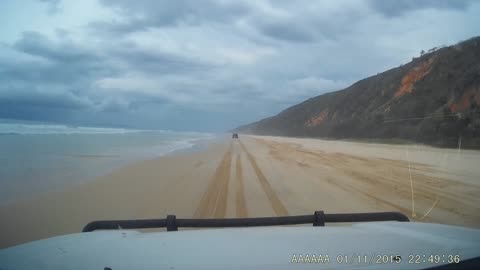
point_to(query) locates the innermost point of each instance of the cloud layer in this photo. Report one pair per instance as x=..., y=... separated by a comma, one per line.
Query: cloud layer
x=208, y=65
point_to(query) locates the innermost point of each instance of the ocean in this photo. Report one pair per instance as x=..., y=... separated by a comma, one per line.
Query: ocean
x=37, y=158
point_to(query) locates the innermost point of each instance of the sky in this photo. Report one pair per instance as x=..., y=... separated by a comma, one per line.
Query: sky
x=206, y=65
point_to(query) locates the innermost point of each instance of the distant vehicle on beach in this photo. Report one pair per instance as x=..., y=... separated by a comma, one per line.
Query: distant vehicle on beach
x=235, y=136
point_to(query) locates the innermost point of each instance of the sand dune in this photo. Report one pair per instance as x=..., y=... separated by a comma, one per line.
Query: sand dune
x=264, y=176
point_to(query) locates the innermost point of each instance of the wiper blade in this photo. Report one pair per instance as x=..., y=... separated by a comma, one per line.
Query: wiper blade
x=319, y=218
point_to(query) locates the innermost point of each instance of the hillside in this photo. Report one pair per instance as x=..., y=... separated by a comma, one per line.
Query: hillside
x=434, y=99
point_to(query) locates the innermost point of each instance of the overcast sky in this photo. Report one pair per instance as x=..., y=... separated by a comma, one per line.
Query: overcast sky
x=204, y=65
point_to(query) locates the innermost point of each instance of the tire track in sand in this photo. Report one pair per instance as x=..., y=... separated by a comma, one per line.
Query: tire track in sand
x=277, y=205
x=214, y=200
x=240, y=202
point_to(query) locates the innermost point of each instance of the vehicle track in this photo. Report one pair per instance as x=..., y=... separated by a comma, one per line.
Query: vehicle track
x=275, y=202
x=214, y=200
x=241, y=205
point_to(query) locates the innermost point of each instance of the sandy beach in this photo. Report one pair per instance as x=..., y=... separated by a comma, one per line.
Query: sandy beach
x=263, y=176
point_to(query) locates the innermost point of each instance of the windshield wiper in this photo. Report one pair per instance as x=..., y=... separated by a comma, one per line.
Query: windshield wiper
x=319, y=218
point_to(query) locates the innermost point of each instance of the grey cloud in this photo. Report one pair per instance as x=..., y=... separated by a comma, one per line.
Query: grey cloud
x=309, y=24
x=118, y=28
x=307, y=21
x=53, y=5
x=398, y=8
x=59, y=84
x=157, y=62
x=115, y=104
x=214, y=64
x=34, y=98
x=287, y=32
x=62, y=33
x=49, y=74
x=142, y=14
x=59, y=62
x=58, y=77
x=37, y=44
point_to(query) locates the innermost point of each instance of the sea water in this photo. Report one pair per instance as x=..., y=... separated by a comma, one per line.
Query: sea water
x=36, y=158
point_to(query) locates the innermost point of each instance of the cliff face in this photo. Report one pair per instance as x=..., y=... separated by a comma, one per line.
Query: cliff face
x=434, y=99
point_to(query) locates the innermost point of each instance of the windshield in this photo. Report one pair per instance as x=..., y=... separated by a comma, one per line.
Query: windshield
x=126, y=110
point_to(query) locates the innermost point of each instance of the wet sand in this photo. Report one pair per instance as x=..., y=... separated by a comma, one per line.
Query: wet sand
x=264, y=176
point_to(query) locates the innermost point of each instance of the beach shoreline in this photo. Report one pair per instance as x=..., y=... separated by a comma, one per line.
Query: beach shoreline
x=262, y=176
x=36, y=163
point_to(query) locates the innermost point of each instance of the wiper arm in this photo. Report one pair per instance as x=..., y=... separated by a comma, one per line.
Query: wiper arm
x=319, y=218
